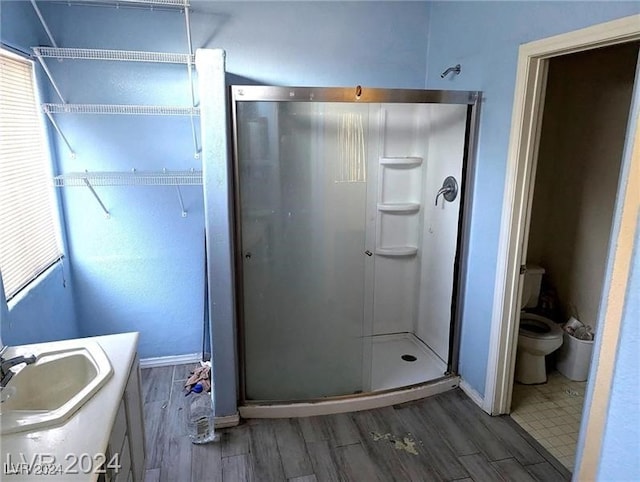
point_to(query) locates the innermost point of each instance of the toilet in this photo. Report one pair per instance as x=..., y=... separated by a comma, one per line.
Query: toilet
x=538, y=336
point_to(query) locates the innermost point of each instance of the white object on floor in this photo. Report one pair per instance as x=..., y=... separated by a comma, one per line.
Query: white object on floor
x=389, y=370
x=574, y=358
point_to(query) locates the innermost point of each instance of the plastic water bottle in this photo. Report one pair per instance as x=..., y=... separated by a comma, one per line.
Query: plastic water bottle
x=200, y=424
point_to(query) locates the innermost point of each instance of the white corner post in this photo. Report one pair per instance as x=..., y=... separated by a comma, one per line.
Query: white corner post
x=216, y=184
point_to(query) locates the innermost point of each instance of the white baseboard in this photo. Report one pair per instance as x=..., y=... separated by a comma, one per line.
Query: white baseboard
x=344, y=405
x=472, y=393
x=163, y=361
x=227, y=421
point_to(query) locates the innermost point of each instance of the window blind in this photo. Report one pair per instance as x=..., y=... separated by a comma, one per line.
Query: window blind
x=29, y=241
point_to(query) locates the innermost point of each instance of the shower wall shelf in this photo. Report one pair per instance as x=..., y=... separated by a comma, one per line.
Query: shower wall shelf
x=131, y=178
x=401, y=162
x=398, y=196
x=399, y=208
x=397, y=251
x=115, y=55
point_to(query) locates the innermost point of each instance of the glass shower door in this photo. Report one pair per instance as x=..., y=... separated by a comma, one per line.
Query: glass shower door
x=302, y=185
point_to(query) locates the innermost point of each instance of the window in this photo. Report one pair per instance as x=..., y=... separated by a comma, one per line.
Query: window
x=29, y=240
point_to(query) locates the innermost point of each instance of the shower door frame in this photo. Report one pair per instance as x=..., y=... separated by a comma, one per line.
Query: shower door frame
x=359, y=95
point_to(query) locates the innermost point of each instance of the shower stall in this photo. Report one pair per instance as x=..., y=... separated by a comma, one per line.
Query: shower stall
x=351, y=212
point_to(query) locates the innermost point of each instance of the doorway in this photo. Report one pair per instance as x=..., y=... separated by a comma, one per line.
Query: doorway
x=582, y=136
x=528, y=100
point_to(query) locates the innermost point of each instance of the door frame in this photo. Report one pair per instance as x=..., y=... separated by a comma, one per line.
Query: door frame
x=521, y=163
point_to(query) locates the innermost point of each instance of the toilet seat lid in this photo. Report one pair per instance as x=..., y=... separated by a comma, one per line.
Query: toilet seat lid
x=535, y=326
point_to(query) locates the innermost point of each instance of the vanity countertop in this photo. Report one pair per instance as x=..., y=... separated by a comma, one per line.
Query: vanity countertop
x=74, y=449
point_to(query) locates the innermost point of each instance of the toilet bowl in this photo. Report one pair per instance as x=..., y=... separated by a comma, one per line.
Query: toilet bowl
x=537, y=338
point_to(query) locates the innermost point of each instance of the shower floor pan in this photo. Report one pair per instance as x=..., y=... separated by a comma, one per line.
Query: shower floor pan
x=402, y=359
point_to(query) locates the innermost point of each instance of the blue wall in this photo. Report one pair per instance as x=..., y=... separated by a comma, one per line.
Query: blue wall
x=484, y=38
x=375, y=44
x=45, y=311
x=143, y=268
x=19, y=26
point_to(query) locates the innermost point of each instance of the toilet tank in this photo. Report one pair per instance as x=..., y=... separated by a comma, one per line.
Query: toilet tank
x=531, y=290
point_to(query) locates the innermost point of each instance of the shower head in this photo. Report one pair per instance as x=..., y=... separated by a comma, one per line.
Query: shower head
x=455, y=69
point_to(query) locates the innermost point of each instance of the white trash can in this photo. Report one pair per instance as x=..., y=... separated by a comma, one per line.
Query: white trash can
x=574, y=357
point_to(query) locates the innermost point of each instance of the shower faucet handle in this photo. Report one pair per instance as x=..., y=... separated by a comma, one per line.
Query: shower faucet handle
x=449, y=189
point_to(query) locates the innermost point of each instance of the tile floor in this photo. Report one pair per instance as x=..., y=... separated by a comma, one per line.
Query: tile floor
x=550, y=413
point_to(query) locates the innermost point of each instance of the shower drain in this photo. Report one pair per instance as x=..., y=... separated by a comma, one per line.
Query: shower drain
x=409, y=358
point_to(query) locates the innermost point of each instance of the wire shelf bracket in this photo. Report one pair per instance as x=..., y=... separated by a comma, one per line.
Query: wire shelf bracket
x=48, y=72
x=62, y=136
x=107, y=214
x=187, y=20
x=43, y=23
x=183, y=211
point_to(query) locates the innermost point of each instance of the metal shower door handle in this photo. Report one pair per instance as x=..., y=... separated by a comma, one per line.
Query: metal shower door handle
x=449, y=190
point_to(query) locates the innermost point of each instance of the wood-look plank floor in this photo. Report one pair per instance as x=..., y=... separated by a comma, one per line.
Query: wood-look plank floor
x=442, y=438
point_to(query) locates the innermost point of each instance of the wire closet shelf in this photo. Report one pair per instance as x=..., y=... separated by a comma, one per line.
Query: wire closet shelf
x=191, y=177
x=119, y=109
x=115, y=55
x=148, y=3
x=42, y=52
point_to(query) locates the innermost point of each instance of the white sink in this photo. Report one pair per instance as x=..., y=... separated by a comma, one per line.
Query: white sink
x=52, y=389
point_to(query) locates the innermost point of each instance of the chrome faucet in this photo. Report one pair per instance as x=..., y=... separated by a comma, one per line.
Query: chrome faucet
x=449, y=189
x=5, y=367
x=455, y=69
